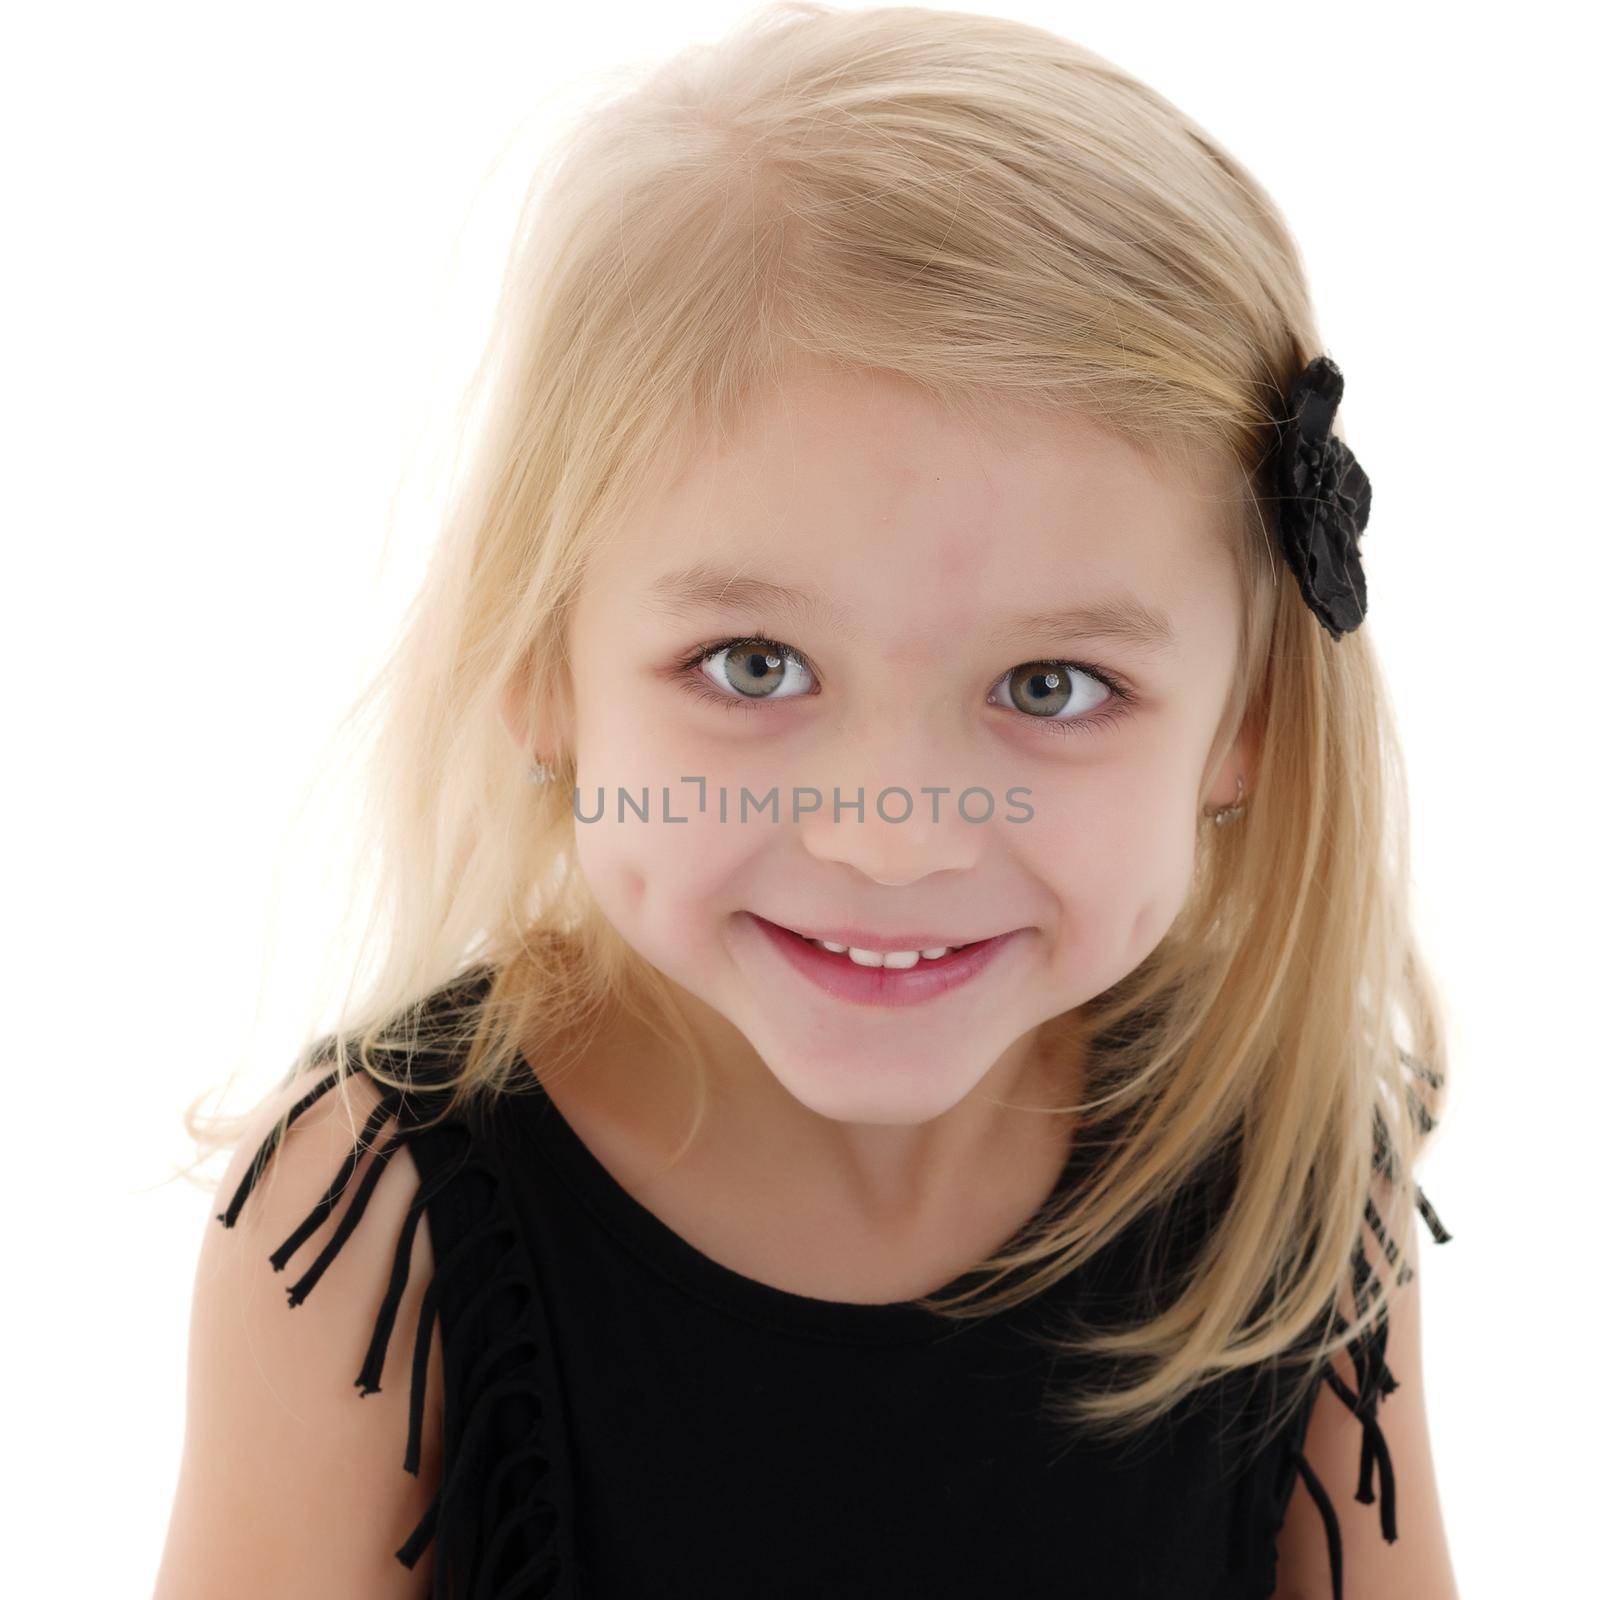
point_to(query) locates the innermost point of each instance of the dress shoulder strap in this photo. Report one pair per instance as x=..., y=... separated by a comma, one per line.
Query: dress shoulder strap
x=500, y=1518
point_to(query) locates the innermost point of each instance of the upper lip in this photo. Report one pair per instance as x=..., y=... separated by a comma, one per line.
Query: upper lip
x=869, y=939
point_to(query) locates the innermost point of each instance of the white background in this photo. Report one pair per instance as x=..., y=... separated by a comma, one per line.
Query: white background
x=251, y=254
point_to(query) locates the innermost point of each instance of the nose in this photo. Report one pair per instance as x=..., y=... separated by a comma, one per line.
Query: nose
x=898, y=819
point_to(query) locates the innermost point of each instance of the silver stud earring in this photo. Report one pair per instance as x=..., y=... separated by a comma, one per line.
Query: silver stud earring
x=541, y=771
x=1227, y=813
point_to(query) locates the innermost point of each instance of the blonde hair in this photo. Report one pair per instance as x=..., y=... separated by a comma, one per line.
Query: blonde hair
x=990, y=212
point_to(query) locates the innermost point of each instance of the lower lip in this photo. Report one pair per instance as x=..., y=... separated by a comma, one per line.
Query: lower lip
x=845, y=979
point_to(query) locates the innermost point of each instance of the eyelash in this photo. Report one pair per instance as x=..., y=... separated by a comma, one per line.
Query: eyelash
x=694, y=683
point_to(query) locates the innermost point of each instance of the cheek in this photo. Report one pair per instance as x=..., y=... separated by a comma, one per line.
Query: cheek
x=635, y=730
x=1118, y=860
x=665, y=885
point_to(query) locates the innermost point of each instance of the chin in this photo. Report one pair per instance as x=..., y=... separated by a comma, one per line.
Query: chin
x=875, y=1084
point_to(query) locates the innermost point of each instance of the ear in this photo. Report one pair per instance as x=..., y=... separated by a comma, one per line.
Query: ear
x=536, y=731
x=513, y=713
x=1241, y=761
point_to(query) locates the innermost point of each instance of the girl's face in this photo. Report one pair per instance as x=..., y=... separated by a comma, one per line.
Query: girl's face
x=886, y=604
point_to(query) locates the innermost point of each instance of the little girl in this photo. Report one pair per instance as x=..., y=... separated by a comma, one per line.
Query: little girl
x=922, y=1094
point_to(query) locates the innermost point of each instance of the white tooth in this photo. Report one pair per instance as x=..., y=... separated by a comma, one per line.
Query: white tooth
x=899, y=959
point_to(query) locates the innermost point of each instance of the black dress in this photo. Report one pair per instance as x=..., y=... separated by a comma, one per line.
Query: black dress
x=627, y=1419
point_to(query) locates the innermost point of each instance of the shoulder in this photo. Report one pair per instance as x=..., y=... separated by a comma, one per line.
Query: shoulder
x=1367, y=1431
x=284, y=1473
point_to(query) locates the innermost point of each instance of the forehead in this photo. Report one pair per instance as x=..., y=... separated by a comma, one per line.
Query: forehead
x=862, y=486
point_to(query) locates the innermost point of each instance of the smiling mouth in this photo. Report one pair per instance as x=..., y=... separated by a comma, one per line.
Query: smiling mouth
x=895, y=960
x=884, y=977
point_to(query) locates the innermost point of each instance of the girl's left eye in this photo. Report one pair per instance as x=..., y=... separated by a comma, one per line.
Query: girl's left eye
x=752, y=670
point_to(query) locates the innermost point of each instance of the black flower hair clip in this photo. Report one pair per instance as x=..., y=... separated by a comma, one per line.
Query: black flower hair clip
x=1324, y=499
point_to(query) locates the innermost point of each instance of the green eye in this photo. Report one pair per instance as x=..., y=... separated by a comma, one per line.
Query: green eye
x=757, y=669
x=1047, y=688
x=741, y=674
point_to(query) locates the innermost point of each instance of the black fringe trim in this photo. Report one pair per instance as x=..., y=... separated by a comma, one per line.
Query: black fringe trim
x=516, y=1515
x=497, y=1530
x=1374, y=1383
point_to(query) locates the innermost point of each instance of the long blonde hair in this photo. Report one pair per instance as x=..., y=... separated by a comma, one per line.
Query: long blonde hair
x=991, y=212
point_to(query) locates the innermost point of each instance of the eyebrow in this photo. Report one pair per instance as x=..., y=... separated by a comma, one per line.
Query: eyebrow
x=1120, y=617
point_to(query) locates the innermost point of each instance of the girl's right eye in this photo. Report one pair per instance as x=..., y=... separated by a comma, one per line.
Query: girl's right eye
x=750, y=670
